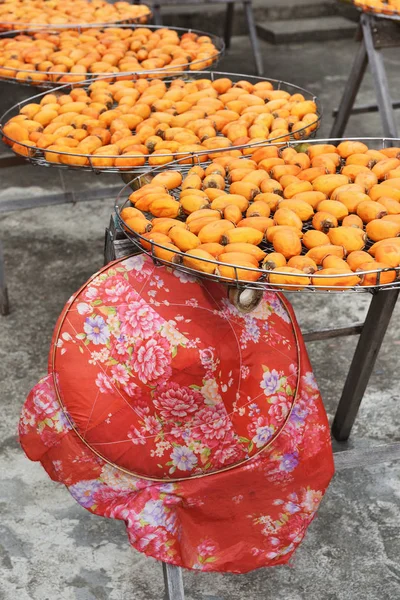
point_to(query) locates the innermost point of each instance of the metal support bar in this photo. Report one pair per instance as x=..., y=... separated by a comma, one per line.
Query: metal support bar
x=371, y=338
x=365, y=457
x=368, y=53
x=173, y=582
x=156, y=8
x=248, y=9
x=350, y=92
x=326, y=334
x=230, y=7
x=4, y=303
x=366, y=108
x=379, y=78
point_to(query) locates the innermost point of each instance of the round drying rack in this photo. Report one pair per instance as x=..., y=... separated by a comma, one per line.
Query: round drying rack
x=239, y=285
x=53, y=78
x=41, y=157
x=9, y=26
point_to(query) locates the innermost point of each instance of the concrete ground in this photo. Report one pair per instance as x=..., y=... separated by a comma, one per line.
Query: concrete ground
x=50, y=547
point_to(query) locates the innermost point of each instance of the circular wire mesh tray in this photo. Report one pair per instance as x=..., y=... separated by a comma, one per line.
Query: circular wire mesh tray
x=239, y=282
x=7, y=26
x=52, y=79
x=384, y=13
x=87, y=162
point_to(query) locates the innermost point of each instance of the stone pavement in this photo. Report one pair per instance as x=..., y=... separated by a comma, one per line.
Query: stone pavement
x=50, y=547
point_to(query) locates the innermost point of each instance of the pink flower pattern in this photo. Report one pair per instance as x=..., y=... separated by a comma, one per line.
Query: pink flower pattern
x=138, y=319
x=115, y=289
x=212, y=422
x=151, y=360
x=176, y=403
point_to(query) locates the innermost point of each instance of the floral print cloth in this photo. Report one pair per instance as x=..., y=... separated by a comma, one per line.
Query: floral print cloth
x=199, y=426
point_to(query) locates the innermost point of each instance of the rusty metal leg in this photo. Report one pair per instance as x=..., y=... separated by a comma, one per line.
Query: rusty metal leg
x=228, y=24
x=156, y=8
x=371, y=338
x=173, y=581
x=248, y=9
x=4, y=303
x=379, y=77
x=350, y=92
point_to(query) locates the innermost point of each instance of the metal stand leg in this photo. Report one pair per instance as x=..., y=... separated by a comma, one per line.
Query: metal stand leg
x=350, y=91
x=228, y=24
x=371, y=338
x=380, y=79
x=157, y=14
x=4, y=304
x=173, y=582
x=248, y=8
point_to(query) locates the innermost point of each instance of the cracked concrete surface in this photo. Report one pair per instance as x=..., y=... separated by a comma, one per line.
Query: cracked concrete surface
x=50, y=547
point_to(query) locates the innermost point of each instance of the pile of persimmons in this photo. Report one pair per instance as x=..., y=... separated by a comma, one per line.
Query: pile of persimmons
x=71, y=56
x=386, y=7
x=17, y=13
x=320, y=215
x=130, y=124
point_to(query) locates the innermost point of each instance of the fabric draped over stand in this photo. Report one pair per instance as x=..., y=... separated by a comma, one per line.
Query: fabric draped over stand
x=199, y=426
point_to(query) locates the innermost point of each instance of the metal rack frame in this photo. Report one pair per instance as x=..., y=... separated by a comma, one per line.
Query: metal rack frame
x=9, y=26
x=38, y=156
x=374, y=33
x=305, y=282
x=261, y=284
x=162, y=72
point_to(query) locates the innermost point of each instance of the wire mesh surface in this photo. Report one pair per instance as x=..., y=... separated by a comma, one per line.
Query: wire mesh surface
x=263, y=282
x=53, y=78
x=42, y=158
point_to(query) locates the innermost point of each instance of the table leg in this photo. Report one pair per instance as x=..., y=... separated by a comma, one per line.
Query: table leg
x=228, y=24
x=380, y=80
x=248, y=8
x=4, y=303
x=173, y=582
x=369, y=343
x=156, y=8
x=350, y=91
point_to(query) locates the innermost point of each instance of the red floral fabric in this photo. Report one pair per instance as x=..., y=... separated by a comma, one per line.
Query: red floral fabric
x=167, y=408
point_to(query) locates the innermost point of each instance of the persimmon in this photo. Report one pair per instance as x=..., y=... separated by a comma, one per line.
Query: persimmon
x=333, y=207
x=353, y=221
x=351, y=238
x=378, y=229
x=286, y=242
x=358, y=257
x=384, y=273
x=335, y=277
x=303, y=263
x=388, y=254
x=323, y=221
x=288, y=278
x=314, y=238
